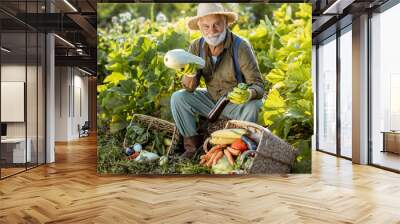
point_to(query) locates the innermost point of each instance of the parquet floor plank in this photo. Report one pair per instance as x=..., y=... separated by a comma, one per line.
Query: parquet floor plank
x=70, y=191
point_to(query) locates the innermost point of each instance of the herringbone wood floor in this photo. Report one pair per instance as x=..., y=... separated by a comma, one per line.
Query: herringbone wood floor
x=70, y=191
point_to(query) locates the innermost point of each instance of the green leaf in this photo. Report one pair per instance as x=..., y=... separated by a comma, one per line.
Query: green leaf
x=153, y=90
x=128, y=86
x=114, y=78
x=117, y=126
x=101, y=88
x=275, y=101
x=275, y=76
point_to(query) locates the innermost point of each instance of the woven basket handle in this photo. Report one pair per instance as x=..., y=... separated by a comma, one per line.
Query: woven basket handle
x=174, y=136
x=205, y=145
x=246, y=125
x=245, y=155
x=124, y=144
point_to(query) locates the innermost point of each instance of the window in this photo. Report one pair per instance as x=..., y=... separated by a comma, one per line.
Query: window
x=346, y=92
x=385, y=89
x=327, y=96
x=22, y=104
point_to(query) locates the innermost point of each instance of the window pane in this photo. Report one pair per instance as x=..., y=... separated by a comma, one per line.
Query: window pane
x=41, y=98
x=327, y=97
x=385, y=86
x=15, y=150
x=345, y=94
x=31, y=97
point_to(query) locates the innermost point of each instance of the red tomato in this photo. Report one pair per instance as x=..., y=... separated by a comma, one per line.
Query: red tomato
x=239, y=145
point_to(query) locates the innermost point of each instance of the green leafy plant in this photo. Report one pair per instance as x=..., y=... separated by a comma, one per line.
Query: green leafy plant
x=288, y=108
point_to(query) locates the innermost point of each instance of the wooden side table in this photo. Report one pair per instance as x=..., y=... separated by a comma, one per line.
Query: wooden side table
x=391, y=141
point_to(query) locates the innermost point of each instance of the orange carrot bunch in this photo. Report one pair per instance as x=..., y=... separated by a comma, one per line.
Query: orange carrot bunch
x=217, y=152
x=213, y=155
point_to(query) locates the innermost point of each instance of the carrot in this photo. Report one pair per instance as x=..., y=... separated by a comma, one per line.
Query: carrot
x=217, y=157
x=216, y=148
x=233, y=151
x=203, y=160
x=210, y=161
x=229, y=157
x=208, y=155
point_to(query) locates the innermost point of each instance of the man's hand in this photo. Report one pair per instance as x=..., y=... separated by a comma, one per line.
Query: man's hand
x=240, y=94
x=189, y=82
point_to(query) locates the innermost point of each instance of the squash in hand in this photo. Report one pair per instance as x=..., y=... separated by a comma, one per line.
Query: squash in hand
x=184, y=61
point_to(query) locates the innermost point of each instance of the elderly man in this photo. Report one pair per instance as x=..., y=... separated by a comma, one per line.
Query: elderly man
x=219, y=74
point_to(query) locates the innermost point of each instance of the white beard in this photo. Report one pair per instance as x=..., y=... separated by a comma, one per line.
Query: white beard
x=216, y=39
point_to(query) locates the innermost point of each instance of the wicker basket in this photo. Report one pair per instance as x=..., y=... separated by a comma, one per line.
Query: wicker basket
x=158, y=124
x=273, y=155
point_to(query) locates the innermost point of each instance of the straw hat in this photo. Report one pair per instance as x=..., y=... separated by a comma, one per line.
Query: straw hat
x=205, y=9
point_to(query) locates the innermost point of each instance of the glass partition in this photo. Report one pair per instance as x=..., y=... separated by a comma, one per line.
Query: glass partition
x=14, y=153
x=22, y=77
x=327, y=96
x=32, y=97
x=41, y=118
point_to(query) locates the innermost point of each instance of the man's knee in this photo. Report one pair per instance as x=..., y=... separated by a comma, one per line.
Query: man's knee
x=250, y=112
x=254, y=105
x=179, y=97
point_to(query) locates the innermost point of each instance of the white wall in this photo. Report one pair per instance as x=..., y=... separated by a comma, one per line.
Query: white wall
x=14, y=73
x=80, y=100
x=33, y=127
x=62, y=81
x=71, y=94
x=10, y=73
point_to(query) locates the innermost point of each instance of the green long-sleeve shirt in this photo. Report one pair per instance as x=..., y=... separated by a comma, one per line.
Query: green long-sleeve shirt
x=220, y=79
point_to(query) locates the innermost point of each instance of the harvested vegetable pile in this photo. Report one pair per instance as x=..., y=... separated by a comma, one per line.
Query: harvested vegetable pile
x=231, y=148
x=147, y=139
x=146, y=153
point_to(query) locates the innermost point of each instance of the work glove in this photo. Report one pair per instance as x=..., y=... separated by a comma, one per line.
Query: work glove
x=240, y=94
x=189, y=70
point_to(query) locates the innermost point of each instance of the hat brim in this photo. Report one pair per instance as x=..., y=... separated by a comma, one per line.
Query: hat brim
x=192, y=22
